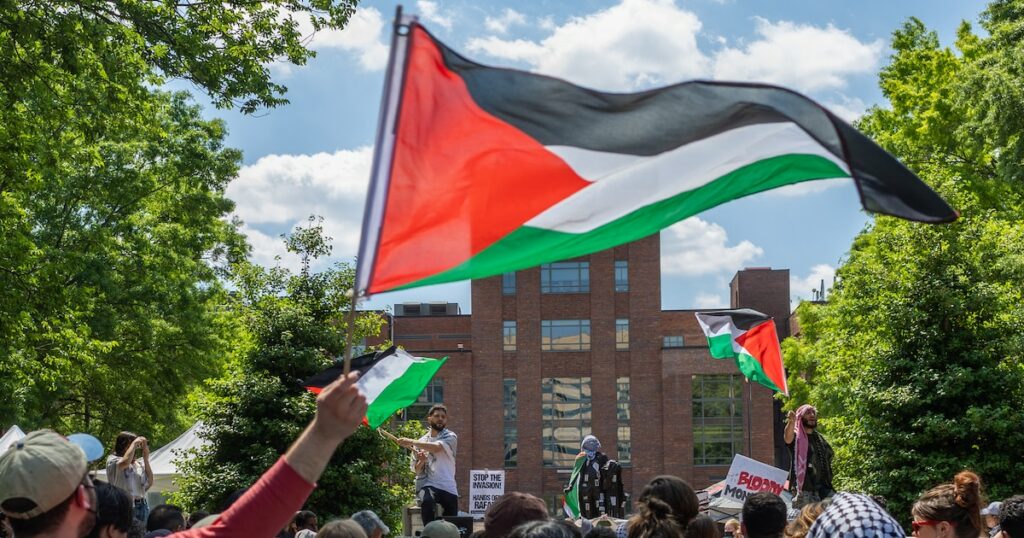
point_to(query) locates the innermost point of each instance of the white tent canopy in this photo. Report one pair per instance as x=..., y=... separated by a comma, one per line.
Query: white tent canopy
x=162, y=460
x=13, y=435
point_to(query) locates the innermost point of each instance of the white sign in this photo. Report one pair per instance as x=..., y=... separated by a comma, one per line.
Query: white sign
x=748, y=476
x=484, y=488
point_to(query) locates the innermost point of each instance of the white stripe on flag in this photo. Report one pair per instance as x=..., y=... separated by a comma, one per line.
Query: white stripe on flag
x=384, y=373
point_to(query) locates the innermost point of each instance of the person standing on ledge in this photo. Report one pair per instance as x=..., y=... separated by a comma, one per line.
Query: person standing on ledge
x=435, y=483
x=810, y=473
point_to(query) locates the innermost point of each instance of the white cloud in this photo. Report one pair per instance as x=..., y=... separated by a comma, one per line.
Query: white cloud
x=709, y=300
x=848, y=108
x=631, y=45
x=362, y=37
x=697, y=247
x=802, y=287
x=546, y=23
x=507, y=19
x=431, y=13
x=800, y=56
x=281, y=191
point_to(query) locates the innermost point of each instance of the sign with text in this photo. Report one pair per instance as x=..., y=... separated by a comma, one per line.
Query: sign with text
x=748, y=476
x=484, y=488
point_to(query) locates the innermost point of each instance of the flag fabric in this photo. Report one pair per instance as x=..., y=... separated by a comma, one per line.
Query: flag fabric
x=571, y=503
x=391, y=380
x=748, y=337
x=481, y=170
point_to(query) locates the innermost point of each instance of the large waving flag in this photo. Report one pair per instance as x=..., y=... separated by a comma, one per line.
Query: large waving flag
x=748, y=337
x=480, y=170
x=391, y=380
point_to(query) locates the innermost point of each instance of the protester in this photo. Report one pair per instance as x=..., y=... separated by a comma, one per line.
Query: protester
x=673, y=491
x=125, y=471
x=599, y=531
x=854, y=515
x=114, y=512
x=732, y=529
x=195, y=517
x=702, y=527
x=45, y=490
x=342, y=528
x=1011, y=517
x=546, y=529
x=764, y=515
x=654, y=519
x=799, y=527
x=439, y=529
x=810, y=475
x=510, y=510
x=991, y=514
x=165, y=517
x=371, y=524
x=599, y=482
x=951, y=509
x=434, y=462
x=304, y=524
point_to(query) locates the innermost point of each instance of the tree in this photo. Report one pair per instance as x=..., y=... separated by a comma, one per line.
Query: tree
x=914, y=362
x=297, y=326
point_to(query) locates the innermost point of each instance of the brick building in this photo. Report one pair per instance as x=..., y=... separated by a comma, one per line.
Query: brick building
x=553, y=353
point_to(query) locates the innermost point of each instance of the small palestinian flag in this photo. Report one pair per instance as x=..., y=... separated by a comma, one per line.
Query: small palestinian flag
x=748, y=337
x=480, y=170
x=571, y=502
x=391, y=380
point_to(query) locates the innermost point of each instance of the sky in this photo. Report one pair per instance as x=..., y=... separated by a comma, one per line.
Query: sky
x=312, y=157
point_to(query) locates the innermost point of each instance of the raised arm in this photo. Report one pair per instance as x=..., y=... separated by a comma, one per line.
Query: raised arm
x=788, y=434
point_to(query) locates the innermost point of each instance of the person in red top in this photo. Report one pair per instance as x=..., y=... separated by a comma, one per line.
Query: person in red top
x=45, y=489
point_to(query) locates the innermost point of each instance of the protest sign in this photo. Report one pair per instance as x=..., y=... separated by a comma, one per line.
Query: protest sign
x=748, y=476
x=484, y=487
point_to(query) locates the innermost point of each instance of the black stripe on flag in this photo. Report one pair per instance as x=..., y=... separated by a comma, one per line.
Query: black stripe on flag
x=742, y=318
x=361, y=364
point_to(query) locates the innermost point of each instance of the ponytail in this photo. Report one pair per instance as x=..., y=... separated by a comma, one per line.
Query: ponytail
x=958, y=502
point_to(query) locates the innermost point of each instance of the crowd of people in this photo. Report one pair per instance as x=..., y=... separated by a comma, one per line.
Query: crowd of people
x=46, y=490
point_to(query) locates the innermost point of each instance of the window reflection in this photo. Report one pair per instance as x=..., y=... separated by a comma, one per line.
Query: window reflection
x=566, y=414
x=717, y=418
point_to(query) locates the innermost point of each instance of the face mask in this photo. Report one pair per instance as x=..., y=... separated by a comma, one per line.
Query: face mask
x=590, y=453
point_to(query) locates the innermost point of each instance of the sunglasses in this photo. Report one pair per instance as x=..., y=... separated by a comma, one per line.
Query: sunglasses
x=916, y=525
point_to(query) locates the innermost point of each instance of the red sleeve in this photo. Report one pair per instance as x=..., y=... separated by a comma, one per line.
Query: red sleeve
x=264, y=510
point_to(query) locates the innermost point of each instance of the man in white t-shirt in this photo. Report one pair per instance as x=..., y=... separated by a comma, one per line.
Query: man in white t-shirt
x=434, y=463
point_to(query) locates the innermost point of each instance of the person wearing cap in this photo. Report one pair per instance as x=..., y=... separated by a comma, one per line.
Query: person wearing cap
x=439, y=529
x=371, y=524
x=45, y=490
x=991, y=514
x=134, y=475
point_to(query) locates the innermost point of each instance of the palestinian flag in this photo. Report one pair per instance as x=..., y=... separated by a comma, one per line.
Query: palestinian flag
x=571, y=502
x=748, y=337
x=481, y=170
x=391, y=380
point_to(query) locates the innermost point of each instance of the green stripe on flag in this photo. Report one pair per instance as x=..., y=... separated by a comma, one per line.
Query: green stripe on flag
x=720, y=346
x=404, y=391
x=572, y=496
x=754, y=372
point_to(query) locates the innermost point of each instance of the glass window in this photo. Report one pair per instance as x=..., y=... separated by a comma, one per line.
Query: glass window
x=621, y=275
x=511, y=432
x=671, y=341
x=508, y=283
x=625, y=444
x=565, y=415
x=565, y=277
x=508, y=335
x=432, y=394
x=622, y=334
x=717, y=418
x=565, y=335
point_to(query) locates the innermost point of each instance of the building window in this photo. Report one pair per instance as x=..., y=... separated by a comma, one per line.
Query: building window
x=508, y=335
x=565, y=413
x=625, y=444
x=621, y=275
x=622, y=334
x=565, y=335
x=432, y=394
x=511, y=433
x=565, y=277
x=717, y=418
x=508, y=283
x=671, y=341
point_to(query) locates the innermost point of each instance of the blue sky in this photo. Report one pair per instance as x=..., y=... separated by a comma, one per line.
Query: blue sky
x=313, y=156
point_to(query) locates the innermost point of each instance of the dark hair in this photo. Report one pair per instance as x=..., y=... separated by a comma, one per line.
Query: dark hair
x=113, y=509
x=676, y=493
x=546, y=529
x=702, y=527
x=165, y=516
x=230, y=499
x=303, y=518
x=195, y=517
x=123, y=441
x=341, y=528
x=958, y=502
x=510, y=510
x=654, y=519
x=1011, y=517
x=764, y=515
x=437, y=407
x=600, y=531
x=45, y=523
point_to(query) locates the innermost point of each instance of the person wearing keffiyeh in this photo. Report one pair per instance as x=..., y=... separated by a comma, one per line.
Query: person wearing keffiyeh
x=810, y=475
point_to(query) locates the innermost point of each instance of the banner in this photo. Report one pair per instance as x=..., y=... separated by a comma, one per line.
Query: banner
x=748, y=476
x=484, y=488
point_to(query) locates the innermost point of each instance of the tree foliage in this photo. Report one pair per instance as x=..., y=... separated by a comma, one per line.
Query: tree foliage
x=298, y=325
x=915, y=361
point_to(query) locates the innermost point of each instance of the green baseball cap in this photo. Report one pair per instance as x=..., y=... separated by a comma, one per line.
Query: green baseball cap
x=38, y=472
x=440, y=529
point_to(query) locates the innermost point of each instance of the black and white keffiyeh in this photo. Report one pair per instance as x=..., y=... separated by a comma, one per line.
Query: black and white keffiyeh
x=853, y=515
